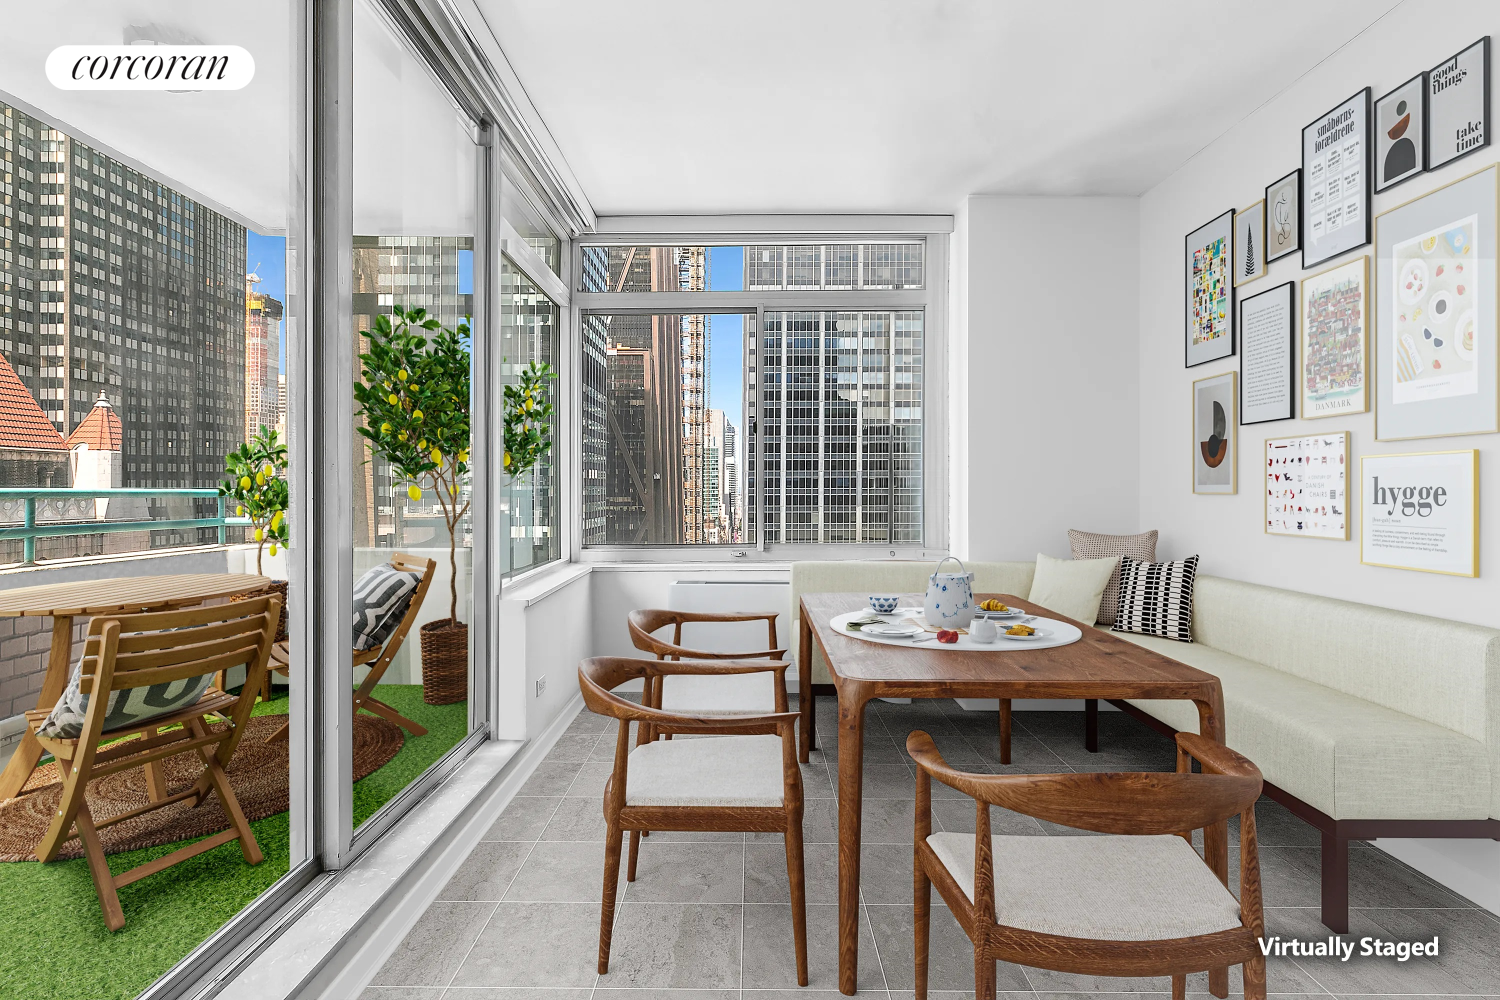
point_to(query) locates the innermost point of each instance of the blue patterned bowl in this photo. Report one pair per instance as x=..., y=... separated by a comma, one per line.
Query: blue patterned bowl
x=884, y=603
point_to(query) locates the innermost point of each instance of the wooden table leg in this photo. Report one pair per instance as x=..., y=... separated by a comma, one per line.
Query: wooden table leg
x=23, y=761
x=852, y=700
x=1216, y=835
x=1091, y=725
x=1005, y=730
x=805, y=697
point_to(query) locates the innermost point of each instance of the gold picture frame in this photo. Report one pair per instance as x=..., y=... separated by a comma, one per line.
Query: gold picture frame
x=1473, y=520
x=1215, y=434
x=1268, y=485
x=1254, y=249
x=1334, y=405
x=1491, y=299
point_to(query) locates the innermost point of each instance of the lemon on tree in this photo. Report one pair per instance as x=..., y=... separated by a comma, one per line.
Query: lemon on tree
x=257, y=485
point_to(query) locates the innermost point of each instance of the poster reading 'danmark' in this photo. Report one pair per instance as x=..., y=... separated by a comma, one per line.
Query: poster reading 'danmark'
x=1421, y=512
x=1336, y=181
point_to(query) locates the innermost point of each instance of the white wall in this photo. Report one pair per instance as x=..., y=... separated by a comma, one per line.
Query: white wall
x=544, y=633
x=621, y=589
x=1047, y=364
x=1232, y=172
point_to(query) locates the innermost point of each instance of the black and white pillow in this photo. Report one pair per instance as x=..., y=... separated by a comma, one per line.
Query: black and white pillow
x=127, y=706
x=1156, y=598
x=380, y=599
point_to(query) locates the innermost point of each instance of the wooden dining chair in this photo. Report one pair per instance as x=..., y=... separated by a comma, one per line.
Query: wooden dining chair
x=1138, y=901
x=743, y=777
x=377, y=658
x=126, y=652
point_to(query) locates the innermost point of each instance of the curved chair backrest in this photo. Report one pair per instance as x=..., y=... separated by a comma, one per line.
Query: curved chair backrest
x=643, y=623
x=598, y=677
x=1146, y=802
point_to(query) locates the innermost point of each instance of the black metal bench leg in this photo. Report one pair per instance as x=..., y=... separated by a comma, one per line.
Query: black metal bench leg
x=1091, y=725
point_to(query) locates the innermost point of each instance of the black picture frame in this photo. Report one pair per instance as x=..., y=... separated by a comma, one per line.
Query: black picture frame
x=1270, y=209
x=1289, y=290
x=1309, y=178
x=1223, y=226
x=1422, y=157
x=1432, y=146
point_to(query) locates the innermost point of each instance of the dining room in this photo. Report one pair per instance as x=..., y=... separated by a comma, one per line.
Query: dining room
x=572, y=501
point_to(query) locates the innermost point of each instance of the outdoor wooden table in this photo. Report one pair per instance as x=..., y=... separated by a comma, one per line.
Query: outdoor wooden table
x=1099, y=665
x=122, y=595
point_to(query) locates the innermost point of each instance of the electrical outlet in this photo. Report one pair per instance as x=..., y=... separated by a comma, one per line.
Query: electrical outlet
x=541, y=686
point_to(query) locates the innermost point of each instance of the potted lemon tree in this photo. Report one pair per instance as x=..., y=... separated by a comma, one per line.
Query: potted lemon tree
x=414, y=398
x=257, y=486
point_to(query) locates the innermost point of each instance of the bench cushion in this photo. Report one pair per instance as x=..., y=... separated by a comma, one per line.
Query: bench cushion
x=1350, y=758
x=1152, y=888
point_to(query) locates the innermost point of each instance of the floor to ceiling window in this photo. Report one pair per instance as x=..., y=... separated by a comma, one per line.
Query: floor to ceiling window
x=417, y=182
x=147, y=307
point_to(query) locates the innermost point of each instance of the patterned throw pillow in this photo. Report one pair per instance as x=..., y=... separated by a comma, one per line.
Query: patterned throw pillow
x=1156, y=598
x=380, y=600
x=1092, y=545
x=129, y=707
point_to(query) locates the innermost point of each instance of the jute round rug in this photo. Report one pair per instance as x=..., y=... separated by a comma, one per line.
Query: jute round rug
x=259, y=774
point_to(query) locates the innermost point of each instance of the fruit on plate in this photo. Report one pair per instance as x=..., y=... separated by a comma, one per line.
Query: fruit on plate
x=1020, y=630
x=947, y=635
x=992, y=605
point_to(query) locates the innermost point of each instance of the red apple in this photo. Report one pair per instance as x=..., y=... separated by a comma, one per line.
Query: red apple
x=947, y=635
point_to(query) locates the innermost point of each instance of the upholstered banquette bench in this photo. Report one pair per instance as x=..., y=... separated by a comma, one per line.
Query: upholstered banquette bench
x=1365, y=722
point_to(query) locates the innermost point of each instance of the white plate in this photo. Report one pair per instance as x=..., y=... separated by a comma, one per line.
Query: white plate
x=891, y=630
x=1041, y=633
x=997, y=615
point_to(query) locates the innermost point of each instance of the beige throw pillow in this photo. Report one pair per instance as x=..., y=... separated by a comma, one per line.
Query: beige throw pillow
x=1072, y=587
x=1092, y=545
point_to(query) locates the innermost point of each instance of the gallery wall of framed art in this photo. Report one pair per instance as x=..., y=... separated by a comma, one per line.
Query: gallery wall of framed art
x=1357, y=141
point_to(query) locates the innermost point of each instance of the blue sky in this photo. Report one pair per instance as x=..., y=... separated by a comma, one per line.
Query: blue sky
x=266, y=256
x=726, y=389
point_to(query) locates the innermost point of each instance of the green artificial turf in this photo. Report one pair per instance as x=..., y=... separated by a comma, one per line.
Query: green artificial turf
x=56, y=944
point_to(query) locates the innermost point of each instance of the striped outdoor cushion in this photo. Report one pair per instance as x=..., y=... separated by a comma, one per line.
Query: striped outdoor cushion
x=380, y=599
x=1156, y=598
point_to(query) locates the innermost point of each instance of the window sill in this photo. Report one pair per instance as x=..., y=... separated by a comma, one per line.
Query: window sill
x=537, y=584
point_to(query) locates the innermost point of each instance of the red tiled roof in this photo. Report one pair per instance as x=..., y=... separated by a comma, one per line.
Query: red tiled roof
x=22, y=422
x=100, y=430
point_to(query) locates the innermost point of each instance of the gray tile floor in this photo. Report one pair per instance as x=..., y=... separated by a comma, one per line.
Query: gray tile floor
x=708, y=916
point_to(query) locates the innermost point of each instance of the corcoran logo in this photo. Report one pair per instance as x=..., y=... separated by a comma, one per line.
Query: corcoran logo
x=150, y=67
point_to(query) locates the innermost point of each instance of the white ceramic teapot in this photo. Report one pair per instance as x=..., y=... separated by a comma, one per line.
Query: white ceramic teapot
x=950, y=597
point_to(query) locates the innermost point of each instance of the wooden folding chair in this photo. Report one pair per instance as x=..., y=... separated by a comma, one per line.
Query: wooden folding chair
x=377, y=658
x=133, y=651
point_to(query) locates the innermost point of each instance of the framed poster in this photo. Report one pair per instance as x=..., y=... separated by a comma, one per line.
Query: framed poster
x=1250, y=243
x=1268, y=355
x=1435, y=276
x=1209, y=303
x=1458, y=105
x=1284, y=216
x=1214, y=443
x=1421, y=512
x=1336, y=181
x=1401, y=133
x=1335, y=340
x=1307, y=490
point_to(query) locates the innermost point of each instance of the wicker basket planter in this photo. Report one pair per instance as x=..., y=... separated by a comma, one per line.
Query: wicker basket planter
x=445, y=661
x=276, y=587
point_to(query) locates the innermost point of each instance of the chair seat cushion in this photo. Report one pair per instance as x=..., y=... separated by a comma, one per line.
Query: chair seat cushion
x=381, y=596
x=1104, y=888
x=712, y=771
x=1350, y=758
x=127, y=708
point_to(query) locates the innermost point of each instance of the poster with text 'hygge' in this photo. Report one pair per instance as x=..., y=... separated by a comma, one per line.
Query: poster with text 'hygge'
x=1306, y=486
x=1421, y=512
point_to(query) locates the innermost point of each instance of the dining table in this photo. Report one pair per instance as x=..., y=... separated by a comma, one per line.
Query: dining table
x=1097, y=665
x=63, y=602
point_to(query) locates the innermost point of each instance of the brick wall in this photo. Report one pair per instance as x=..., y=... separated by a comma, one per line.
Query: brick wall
x=24, y=647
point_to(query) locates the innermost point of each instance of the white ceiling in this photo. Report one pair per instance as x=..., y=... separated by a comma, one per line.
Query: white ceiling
x=666, y=107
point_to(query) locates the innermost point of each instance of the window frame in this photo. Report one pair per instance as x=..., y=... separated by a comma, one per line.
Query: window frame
x=931, y=299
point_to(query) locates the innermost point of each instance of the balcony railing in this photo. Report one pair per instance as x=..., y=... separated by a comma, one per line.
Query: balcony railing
x=32, y=513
